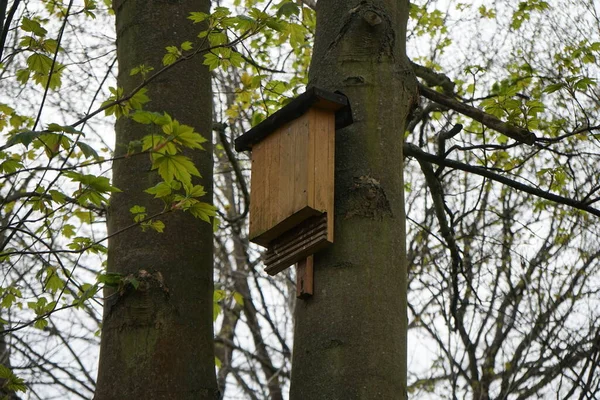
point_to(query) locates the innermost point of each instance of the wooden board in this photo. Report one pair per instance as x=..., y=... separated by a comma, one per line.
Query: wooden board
x=296, y=244
x=293, y=176
x=304, y=278
x=324, y=165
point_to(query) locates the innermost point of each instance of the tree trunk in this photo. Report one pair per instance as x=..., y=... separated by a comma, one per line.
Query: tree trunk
x=157, y=341
x=350, y=338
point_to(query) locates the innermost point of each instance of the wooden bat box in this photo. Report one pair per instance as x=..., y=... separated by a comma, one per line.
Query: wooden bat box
x=292, y=183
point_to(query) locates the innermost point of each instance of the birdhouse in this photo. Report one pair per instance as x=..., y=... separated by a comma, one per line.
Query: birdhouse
x=292, y=183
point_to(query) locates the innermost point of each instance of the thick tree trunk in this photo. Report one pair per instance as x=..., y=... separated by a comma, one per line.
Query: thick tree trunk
x=350, y=338
x=157, y=341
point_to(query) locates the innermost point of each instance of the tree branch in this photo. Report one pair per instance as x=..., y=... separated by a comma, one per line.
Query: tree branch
x=413, y=151
x=519, y=134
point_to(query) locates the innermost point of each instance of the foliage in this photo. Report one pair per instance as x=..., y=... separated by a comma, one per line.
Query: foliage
x=518, y=315
x=56, y=179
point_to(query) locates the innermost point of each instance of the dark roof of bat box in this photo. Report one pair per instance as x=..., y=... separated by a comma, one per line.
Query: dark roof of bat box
x=313, y=97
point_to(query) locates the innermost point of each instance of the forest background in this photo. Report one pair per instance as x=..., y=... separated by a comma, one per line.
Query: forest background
x=502, y=236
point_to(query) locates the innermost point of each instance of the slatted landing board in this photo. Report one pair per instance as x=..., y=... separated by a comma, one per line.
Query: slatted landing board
x=292, y=184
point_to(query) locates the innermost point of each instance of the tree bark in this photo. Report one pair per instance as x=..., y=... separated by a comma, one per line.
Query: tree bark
x=350, y=337
x=157, y=340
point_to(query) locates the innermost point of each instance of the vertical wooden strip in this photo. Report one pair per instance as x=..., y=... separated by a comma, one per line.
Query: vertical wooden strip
x=304, y=278
x=312, y=115
x=286, y=164
x=330, y=177
x=273, y=170
x=321, y=163
x=257, y=187
x=301, y=163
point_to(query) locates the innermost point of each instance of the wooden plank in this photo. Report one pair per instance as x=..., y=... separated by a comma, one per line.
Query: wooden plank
x=331, y=127
x=296, y=245
x=314, y=244
x=313, y=143
x=273, y=172
x=304, y=278
x=321, y=164
x=301, y=163
x=257, y=187
x=265, y=238
x=296, y=238
x=287, y=188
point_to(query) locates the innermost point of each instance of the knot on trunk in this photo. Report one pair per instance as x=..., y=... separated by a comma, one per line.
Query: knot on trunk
x=367, y=199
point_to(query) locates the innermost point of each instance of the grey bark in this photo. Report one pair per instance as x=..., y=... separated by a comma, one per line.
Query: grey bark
x=350, y=338
x=157, y=341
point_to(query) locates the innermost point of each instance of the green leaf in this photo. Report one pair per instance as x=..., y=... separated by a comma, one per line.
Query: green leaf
x=97, y=183
x=40, y=63
x=139, y=99
x=584, y=83
x=23, y=76
x=288, y=9
x=195, y=191
x=169, y=59
x=187, y=45
x=236, y=59
x=50, y=46
x=174, y=167
x=216, y=311
x=161, y=189
x=29, y=25
x=137, y=209
x=158, y=226
x=111, y=279
x=41, y=323
x=212, y=60
x=25, y=138
x=239, y=298
x=203, y=211
x=277, y=26
x=57, y=196
x=198, y=17
x=9, y=166
x=68, y=230
x=148, y=117
x=219, y=295
x=88, y=151
x=63, y=128
x=140, y=69
x=554, y=87
x=12, y=382
x=53, y=283
x=184, y=135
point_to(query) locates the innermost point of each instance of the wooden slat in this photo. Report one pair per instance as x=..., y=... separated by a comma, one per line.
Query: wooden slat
x=296, y=245
x=289, y=223
x=321, y=165
x=330, y=178
x=304, y=278
x=273, y=178
x=313, y=143
x=291, y=241
x=307, y=248
x=301, y=164
x=297, y=249
x=258, y=188
x=287, y=189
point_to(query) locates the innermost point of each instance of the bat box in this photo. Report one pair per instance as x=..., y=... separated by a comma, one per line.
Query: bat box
x=292, y=183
